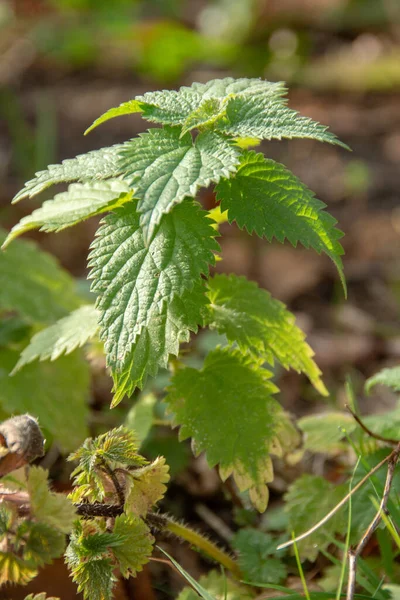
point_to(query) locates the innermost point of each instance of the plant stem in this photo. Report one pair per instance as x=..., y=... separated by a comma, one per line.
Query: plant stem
x=202, y=543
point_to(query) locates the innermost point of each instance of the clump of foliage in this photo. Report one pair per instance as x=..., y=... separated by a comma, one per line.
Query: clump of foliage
x=150, y=269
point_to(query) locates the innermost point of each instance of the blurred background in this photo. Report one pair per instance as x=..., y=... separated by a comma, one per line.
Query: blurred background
x=65, y=62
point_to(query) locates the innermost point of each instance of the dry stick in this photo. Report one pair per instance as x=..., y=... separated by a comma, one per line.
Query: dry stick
x=340, y=504
x=354, y=554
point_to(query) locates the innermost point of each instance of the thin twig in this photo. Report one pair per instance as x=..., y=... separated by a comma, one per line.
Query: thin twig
x=355, y=553
x=381, y=438
x=340, y=504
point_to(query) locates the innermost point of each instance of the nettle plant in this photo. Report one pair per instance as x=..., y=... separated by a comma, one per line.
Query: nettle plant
x=150, y=270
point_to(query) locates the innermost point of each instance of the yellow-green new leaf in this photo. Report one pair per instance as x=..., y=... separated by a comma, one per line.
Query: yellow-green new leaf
x=147, y=487
x=126, y=108
x=260, y=324
x=136, y=545
x=49, y=507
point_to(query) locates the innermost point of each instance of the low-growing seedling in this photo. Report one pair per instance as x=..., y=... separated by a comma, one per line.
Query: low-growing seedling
x=150, y=270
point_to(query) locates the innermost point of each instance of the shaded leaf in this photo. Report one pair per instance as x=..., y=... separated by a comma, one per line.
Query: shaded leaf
x=56, y=393
x=249, y=316
x=267, y=198
x=231, y=399
x=324, y=432
x=389, y=377
x=258, y=558
x=43, y=543
x=40, y=294
x=220, y=587
x=63, y=337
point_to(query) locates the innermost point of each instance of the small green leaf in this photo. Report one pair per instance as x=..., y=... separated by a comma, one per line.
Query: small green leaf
x=267, y=198
x=63, y=337
x=389, y=377
x=53, y=509
x=258, y=559
x=40, y=294
x=219, y=587
x=231, y=399
x=80, y=202
x=323, y=432
x=147, y=487
x=205, y=115
x=249, y=316
x=137, y=545
x=134, y=281
x=98, y=164
x=308, y=500
x=95, y=579
x=56, y=393
x=163, y=168
x=126, y=108
x=157, y=340
x=41, y=596
x=14, y=569
x=140, y=417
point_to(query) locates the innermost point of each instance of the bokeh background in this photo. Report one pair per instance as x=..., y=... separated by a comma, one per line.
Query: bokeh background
x=64, y=62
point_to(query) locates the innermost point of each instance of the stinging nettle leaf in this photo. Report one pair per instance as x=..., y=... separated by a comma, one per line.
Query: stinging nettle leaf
x=175, y=107
x=42, y=294
x=164, y=167
x=157, y=340
x=231, y=399
x=259, y=560
x=80, y=202
x=134, y=281
x=63, y=337
x=97, y=164
x=389, y=377
x=266, y=116
x=249, y=316
x=147, y=487
x=126, y=108
x=267, y=198
x=137, y=545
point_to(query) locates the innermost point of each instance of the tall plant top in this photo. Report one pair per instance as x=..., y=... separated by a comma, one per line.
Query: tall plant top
x=151, y=257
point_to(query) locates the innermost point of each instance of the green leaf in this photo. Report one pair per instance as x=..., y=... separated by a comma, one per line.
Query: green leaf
x=41, y=596
x=137, y=547
x=205, y=115
x=134, y=281
x=308, y=500
x=171, y=107
x=389, y=377
x=43, y=543
x=80, y=202
x=56, y=393
x=258, y=558
x=231, y=399
x=53, y=509
x=157, y=340
x=266, y=116
x=164, y=168
x=267, y=198
x=63, y=337
x=95, y=579
x=220, y=587
x=323, y=432
x=147, y=487
x=140, y=417
x=98, y=164
x=386, y=424
x=33, y=284
x=249, y=316
x=126, y=108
